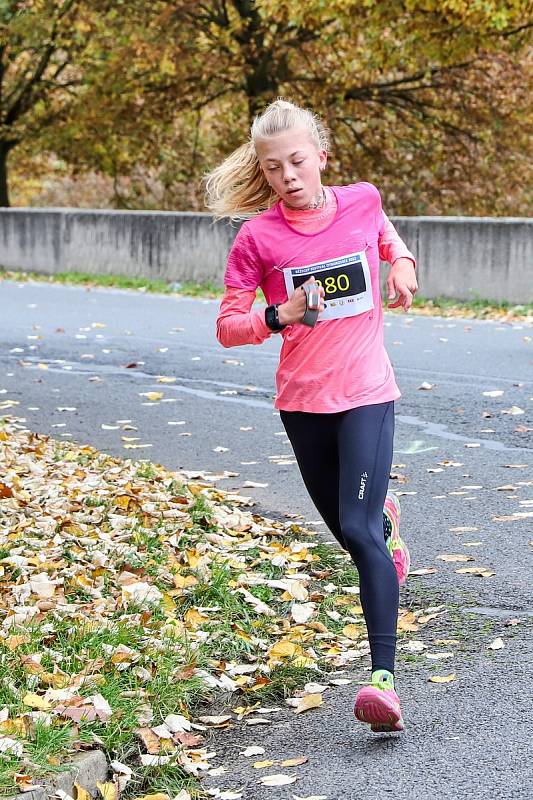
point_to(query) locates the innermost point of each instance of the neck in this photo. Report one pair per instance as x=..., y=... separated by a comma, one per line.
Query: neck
x=317, y=201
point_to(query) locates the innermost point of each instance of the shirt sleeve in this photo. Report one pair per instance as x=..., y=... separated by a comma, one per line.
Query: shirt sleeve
x=236, y=323
x=244, y=269
x=391, y=245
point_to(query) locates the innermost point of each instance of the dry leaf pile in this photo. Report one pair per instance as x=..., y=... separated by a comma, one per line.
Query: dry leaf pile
x=129, y=601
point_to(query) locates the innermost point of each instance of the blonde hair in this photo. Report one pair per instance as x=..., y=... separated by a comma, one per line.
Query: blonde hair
x=237, y=188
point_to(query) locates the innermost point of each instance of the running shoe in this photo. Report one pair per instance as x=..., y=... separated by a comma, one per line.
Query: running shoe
x=378, y=704
x=395, y=544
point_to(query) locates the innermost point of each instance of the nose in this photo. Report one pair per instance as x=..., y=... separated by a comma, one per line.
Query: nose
x=288, y=174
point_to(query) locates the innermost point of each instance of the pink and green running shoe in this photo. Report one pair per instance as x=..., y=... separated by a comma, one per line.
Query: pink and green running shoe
x=378, y=704
x=395, y=544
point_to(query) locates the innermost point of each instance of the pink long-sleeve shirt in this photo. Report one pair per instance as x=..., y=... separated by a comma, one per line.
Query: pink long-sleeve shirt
x=340, y=363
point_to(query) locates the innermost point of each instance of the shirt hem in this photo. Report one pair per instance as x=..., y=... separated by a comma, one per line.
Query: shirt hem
x=349, y=404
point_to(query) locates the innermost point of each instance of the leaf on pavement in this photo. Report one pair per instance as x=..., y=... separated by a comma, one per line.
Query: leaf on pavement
x=308, y=702
x=455, y=557
x=294, y=762
x=278, y=780
x=497, y=644
x=482, y=572
x=423, y=571
x=253, y=750
x=442, y=678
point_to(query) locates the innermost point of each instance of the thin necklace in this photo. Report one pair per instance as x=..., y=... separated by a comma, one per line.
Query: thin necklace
x=319, y=201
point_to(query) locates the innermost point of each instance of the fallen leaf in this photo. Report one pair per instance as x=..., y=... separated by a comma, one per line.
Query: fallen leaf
x=109, y=791
x=278, y=780
x=481, y=571
x=455, y=557
x=309, y=701
x=263, y=764
x=423, y=571
x=442, y=678
x=497, y=644
x=294, y=762
x=253, y=750
x=463, y=529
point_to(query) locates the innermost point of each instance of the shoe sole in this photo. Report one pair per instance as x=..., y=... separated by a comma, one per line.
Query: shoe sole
x=383, y=715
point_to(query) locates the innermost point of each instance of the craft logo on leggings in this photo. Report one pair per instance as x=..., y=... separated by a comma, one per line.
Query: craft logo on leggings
x=362, y=485
x=346, y=281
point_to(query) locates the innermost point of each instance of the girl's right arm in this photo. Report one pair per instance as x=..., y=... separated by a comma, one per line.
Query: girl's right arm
x=237, y=324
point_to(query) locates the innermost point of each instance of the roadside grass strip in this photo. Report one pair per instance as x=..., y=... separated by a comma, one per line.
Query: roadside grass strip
x=475, y=308
x=132, y=600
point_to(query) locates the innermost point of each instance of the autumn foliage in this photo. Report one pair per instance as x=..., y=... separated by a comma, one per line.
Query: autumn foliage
x=127, y=104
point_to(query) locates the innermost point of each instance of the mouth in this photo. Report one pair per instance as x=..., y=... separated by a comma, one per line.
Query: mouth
x=293, y=191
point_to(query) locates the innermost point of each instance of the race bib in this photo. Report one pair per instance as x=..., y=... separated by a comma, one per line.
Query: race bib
x=346, y=282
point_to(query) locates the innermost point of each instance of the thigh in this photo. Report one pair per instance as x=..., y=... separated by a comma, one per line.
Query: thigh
x=314, y=440
x=365, y=441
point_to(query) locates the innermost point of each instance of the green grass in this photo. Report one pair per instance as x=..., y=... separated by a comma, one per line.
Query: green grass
x=477, y=306
x=480, y=307
x=189, y=288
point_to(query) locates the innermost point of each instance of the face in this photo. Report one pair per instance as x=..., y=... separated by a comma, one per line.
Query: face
x=291, y=164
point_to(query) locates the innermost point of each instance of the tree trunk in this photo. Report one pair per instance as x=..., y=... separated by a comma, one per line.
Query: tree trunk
x=5, y=147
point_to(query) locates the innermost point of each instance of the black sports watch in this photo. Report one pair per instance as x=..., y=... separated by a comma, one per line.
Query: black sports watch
x=272, y=318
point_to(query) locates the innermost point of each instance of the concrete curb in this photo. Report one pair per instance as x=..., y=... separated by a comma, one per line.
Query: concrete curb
x=86, y=769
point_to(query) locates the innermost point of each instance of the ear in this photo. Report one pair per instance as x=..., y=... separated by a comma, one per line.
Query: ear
x=323, y=156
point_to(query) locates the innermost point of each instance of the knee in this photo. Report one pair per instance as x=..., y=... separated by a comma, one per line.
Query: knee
x=359, y=540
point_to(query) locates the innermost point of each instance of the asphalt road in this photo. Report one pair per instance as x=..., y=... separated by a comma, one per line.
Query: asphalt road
x=79, y=362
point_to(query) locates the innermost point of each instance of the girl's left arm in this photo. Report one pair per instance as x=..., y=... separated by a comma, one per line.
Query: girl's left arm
x=401, y=282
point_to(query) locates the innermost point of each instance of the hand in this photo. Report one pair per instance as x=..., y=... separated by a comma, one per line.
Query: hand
x=294, y=309
x=402, y=284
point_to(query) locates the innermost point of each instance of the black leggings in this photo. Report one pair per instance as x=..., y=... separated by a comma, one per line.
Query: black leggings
x=345, y=460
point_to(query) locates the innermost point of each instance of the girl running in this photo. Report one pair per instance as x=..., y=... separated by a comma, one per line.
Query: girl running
x=314, y=250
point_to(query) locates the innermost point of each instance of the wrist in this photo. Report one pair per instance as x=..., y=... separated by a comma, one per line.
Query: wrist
x=272, y=318
x=283, y=315
x=404, y=261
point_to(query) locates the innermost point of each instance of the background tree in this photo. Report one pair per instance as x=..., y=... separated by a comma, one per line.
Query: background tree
x=429, y=99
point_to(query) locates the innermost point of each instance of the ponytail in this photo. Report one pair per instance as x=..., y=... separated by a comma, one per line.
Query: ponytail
x=237, y=188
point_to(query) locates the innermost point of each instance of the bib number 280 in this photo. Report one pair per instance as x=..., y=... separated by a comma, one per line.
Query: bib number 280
x=346, y=282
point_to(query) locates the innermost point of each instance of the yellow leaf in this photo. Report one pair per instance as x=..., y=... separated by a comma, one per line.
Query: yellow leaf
x=109, y=791
x=81, y=793
x=481, y=571
x=184, y=581
x=309, y=701
x=263, y=764
x=295, y=762
x=156, y=796
x=407, y=622
x=153, y=396
x=283, y=649
x=13, y=642
x=165, y=379
x=352, y=631
x=455, y=557
x=442, y=678
x=193, y=618
x=35, y=701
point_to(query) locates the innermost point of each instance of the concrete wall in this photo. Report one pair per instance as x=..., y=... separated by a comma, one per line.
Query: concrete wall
x=458, y=257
